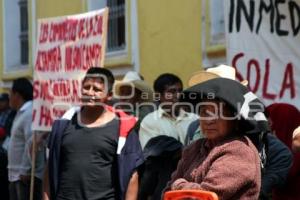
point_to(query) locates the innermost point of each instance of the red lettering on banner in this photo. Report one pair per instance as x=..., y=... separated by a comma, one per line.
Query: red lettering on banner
x=64, y=90
x=90, y=27
x=234, y=64
x=75, y=94
x=63, y=31
x=265, y=93
x=81, y=33
x=44, y=33
x=71, y=91
x=99, y=20
x=45, y=91
x=288, y=81
x=66, y=47
x=257, y=69
x=68, y=29
x=73, y=30
x=41, y=90
x=33, y=114
x=35, y=89
x=54, y=34
x=61, y=88
x=49, y=60
x=45, y=117
x=82, y=57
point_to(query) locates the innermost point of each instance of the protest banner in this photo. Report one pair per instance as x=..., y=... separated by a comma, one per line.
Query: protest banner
x=263, y=39
x=66, y=47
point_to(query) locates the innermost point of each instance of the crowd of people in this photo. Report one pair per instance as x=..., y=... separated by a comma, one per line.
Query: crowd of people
x=128, y=140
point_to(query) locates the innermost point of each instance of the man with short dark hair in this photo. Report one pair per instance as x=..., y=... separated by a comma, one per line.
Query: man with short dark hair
x=94, y=151
x=135, y=96
x=170, y=119
x=162, y=134
x=19, y=161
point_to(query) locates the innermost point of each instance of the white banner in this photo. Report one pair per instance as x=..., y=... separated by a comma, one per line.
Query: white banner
x=263, y=44
x=66, y=47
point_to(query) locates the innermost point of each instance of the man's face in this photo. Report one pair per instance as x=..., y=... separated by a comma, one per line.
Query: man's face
x=170, y=96
x=13, y=100
x=129, y=94
x=94, y=92
x=129, y=98
x=171, y=93
x=3, y=105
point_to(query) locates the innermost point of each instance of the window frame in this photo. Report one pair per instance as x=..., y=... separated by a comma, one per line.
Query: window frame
x=122, y=8
x=215, y=50
x=24, y=36
x=115, y=59
x=12, y=72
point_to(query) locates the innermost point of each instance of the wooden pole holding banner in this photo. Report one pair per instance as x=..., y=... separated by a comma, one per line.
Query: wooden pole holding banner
x=33, y=158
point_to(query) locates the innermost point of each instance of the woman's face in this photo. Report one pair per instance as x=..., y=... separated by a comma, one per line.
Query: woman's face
x=216, y=119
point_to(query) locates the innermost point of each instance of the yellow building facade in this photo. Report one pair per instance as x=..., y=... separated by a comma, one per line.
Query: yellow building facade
x=159, y=36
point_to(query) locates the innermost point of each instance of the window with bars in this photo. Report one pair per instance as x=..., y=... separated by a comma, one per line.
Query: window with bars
x=217, y=29
x=23, y=32
x=116, y=38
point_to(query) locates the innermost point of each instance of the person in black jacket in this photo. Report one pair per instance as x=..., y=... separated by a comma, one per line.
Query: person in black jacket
x=279, y=161
x=161, y=155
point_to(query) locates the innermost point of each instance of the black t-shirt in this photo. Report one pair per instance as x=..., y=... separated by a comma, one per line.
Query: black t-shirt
x=88, y=167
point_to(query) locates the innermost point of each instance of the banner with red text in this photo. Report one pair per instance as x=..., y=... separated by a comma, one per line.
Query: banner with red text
x=263, y=44
x=66, y=47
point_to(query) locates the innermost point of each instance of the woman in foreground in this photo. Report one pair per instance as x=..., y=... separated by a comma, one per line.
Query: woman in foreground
x=225, y=162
